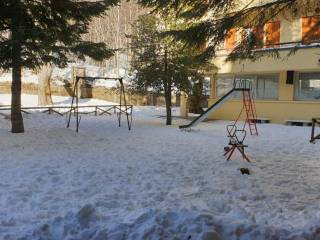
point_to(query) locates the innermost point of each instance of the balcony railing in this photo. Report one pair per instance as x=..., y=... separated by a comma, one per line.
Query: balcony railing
x=277, y=47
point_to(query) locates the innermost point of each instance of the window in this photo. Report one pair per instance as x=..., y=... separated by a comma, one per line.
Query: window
x=231, y=39
x=247, y=79
x=273, y=34
x=264, y=86
x=310, y=29
x=258, y=34
x=267, y=86
x=254, y=36
x=224, y=83
x=206, y=87
x=307, y=86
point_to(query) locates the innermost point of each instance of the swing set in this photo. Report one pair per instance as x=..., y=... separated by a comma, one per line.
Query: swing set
x=237, y=134
x=122, y=108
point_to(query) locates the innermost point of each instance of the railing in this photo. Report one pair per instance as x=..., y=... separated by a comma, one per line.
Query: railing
x=98, y=110
x=104, y=109
x=277, y=47
x=242, y=84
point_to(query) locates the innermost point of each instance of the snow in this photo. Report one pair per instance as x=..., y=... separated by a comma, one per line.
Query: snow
x=28, y=76
x=155, y=182
x=61, y=75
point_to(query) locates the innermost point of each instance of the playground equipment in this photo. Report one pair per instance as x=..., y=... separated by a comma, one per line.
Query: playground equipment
x=239, y=86
x=120, y=109
x=237, y=136
x=236, y=141
x=314, y=137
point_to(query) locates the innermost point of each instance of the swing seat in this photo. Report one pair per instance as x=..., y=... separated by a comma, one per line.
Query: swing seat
x=236, y=140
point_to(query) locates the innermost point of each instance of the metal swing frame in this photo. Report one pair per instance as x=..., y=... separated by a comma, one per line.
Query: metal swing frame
x=314, y=137
x=118, y=109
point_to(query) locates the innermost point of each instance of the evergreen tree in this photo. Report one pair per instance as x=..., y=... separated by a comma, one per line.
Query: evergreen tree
x=161, y=64
x=214, y=18
x=34, y=33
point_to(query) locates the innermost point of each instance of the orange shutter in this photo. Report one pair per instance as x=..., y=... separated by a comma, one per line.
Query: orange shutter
x=273, y=34
x=231, y=39
x=310, y=29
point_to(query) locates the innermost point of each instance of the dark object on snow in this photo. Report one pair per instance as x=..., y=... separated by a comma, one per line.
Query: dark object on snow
x=226, y=149
x=245, y=171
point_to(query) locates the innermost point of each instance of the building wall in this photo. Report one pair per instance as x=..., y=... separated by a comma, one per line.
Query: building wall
x=286, y=107
x=278, y=111
x=302, y=60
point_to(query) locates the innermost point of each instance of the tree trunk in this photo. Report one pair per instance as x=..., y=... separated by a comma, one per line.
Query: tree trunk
x=16, y=116
x=167, y=88
x=195, y=105
x=167, y=93
x=44, y=90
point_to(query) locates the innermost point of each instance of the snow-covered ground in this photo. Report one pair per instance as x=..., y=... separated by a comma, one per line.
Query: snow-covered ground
x=155, y=182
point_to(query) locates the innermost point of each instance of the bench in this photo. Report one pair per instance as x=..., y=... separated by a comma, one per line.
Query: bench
x=262, y=120
x=300, y=123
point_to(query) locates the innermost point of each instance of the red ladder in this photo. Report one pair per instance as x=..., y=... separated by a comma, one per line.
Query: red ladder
x=249, y=105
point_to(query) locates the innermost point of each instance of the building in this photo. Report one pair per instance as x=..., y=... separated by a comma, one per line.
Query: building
x=286, y=88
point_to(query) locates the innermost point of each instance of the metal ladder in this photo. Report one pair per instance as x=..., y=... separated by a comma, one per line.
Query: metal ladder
x=251, y=112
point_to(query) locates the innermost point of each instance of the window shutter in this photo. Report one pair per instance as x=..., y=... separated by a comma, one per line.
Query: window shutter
x=273, y=34
x=231, y=39
x=310, y=29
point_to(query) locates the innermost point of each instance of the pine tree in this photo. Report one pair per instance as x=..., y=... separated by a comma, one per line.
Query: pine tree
x=34, y=33
x=214, y=18
x=162, y=65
